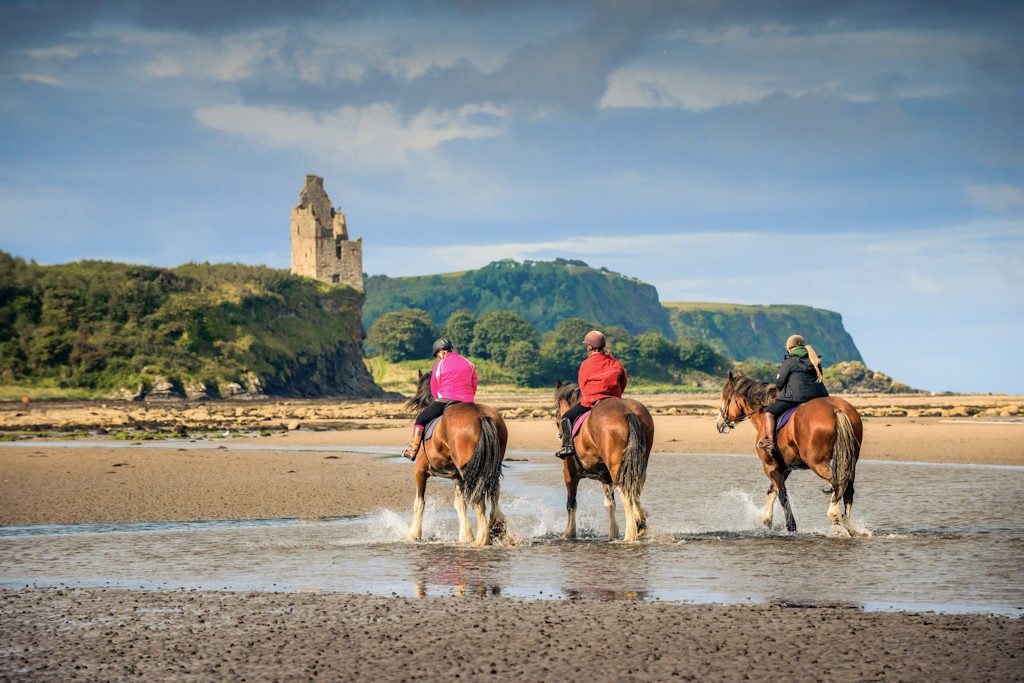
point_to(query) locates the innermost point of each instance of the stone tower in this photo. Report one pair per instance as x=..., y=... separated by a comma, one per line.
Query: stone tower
x=320, y=245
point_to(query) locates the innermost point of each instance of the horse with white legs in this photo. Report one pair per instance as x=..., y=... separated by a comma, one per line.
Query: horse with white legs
x=468, y=447
x=823, y=435
x=612, y=446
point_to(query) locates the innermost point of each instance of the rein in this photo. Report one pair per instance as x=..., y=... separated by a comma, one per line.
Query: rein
x=731, y=424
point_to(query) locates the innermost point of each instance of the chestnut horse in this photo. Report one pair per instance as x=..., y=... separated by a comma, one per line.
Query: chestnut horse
x=467, y=446
x=612, y=446
x=823, y=435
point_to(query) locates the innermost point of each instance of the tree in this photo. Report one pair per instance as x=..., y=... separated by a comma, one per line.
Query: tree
x=402, y=335
x=698, y=355
x=459, y=328
x=563, y=349
x=495, y=331
x=525, y=362
x=654, y=348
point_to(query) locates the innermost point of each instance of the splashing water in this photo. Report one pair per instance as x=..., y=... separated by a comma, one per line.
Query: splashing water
x=706, y=543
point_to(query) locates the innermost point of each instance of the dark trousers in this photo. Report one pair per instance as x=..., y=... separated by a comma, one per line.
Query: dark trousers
x=780, y=407
x=431, y=411
x=574, y=413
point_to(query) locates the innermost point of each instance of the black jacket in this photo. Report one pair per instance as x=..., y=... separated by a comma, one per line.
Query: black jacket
x=797, y=381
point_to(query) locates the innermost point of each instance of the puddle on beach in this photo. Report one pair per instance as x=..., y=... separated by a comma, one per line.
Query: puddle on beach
x=942, y=538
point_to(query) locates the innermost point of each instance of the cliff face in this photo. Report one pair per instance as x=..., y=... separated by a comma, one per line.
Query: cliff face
x=199, y=330
x=544, y=293
x=752, y=333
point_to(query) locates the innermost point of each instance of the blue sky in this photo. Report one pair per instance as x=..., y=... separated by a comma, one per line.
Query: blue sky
x=866, y=157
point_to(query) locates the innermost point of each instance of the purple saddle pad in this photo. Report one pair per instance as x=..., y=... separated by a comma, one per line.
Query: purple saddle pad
x=785, y=418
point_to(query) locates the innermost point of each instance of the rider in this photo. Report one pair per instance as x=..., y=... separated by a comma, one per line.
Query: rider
x=601, y=376
x=452, y=380
x=799, y=380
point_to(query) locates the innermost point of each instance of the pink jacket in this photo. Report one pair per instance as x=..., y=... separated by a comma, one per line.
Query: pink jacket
x=453, y=378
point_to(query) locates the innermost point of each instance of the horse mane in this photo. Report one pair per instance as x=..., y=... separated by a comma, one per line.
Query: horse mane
x=422, y=398
x=568, y=392
x=757, y=394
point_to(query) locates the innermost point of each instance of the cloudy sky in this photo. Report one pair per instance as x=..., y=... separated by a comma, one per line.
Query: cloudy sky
x=865, y=157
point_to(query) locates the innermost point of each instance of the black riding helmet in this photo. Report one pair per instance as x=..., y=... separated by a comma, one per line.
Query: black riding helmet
x=442, y=344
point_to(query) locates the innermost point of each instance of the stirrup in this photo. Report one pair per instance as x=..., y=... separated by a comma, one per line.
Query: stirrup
x=564, y=453
x=766, y=443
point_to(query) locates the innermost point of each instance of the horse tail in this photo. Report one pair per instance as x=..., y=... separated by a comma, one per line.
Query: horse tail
x=482, y=474
x=844, y=455
x=633, y=470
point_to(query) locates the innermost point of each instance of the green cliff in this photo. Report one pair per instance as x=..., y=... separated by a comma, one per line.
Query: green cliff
x=542, y=292
x=196, y=330
x=751, y=333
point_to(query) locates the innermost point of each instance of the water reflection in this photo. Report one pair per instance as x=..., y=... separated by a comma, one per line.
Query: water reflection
x=923, y=554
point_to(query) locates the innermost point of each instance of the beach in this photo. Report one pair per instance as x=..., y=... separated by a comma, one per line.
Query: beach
x=299, y=469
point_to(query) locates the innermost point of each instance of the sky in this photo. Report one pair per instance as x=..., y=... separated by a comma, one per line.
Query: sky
x=866, y=156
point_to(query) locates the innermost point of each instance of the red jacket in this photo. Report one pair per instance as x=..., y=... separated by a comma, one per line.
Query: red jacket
x=600, y=377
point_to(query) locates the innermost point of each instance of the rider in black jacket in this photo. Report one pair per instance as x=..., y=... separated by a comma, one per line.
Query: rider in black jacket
x=799, y=380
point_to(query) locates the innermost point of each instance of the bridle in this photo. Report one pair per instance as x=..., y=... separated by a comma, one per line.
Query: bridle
x=723, y=414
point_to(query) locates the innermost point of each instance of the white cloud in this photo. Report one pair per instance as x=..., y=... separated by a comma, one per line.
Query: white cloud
x=689, y=89
x=40, y=78
x=373, y=138
x=997, y=197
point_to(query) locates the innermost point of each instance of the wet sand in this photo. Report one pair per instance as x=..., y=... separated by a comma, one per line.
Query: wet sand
x=110, y=634
x=154, y=481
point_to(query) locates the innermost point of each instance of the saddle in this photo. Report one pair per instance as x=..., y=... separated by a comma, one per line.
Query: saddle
x=578, y=424
x=784, y=419
x=428, y=431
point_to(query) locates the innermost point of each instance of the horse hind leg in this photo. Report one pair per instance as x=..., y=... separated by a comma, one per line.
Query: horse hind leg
x=465, y=532
x=609, y=505
x=497, y=524
x=483, y=535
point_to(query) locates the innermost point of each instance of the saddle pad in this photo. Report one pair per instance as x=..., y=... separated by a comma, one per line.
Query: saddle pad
x=579, y=423
x=429, y=430
x=785, y=418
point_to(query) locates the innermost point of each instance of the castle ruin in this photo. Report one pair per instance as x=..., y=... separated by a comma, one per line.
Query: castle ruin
x=320, y=245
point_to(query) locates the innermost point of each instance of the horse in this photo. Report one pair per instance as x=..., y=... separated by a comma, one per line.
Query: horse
x=823, y=435
x=468, y=447
x=612, y=446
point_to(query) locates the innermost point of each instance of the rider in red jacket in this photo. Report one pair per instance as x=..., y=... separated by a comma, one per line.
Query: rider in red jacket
x=601, y=376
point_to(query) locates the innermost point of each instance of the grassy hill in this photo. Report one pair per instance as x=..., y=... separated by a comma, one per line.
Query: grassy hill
x=199, y=329
x=543, y=292
x=752, y=333
x=547, y=292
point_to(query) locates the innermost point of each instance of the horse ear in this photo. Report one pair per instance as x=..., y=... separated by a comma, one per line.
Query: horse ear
x=730, y=376
x=419, y=374
x=558, y=384
x=739, y=373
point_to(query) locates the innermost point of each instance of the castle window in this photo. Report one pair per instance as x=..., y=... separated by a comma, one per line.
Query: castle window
x=336, y=277
x=337, y=251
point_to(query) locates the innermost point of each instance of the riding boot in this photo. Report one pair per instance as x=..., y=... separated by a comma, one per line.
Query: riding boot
x=767, y=442
x=567, y=448
x=414, y=445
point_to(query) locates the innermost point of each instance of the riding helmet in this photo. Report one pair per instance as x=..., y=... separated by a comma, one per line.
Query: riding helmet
x=442, y=344
x=595, y=340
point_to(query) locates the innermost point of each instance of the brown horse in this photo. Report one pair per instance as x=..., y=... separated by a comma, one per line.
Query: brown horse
x=823, y=435
x=612, y=446
x=467, y=446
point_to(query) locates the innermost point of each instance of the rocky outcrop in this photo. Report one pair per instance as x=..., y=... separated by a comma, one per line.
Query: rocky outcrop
x=163, y=390
x=856, y=378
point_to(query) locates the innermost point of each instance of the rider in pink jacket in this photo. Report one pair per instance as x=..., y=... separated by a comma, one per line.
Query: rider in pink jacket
x=452, y=380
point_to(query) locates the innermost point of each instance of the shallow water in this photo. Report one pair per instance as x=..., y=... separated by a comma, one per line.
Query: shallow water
x=942, y=537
